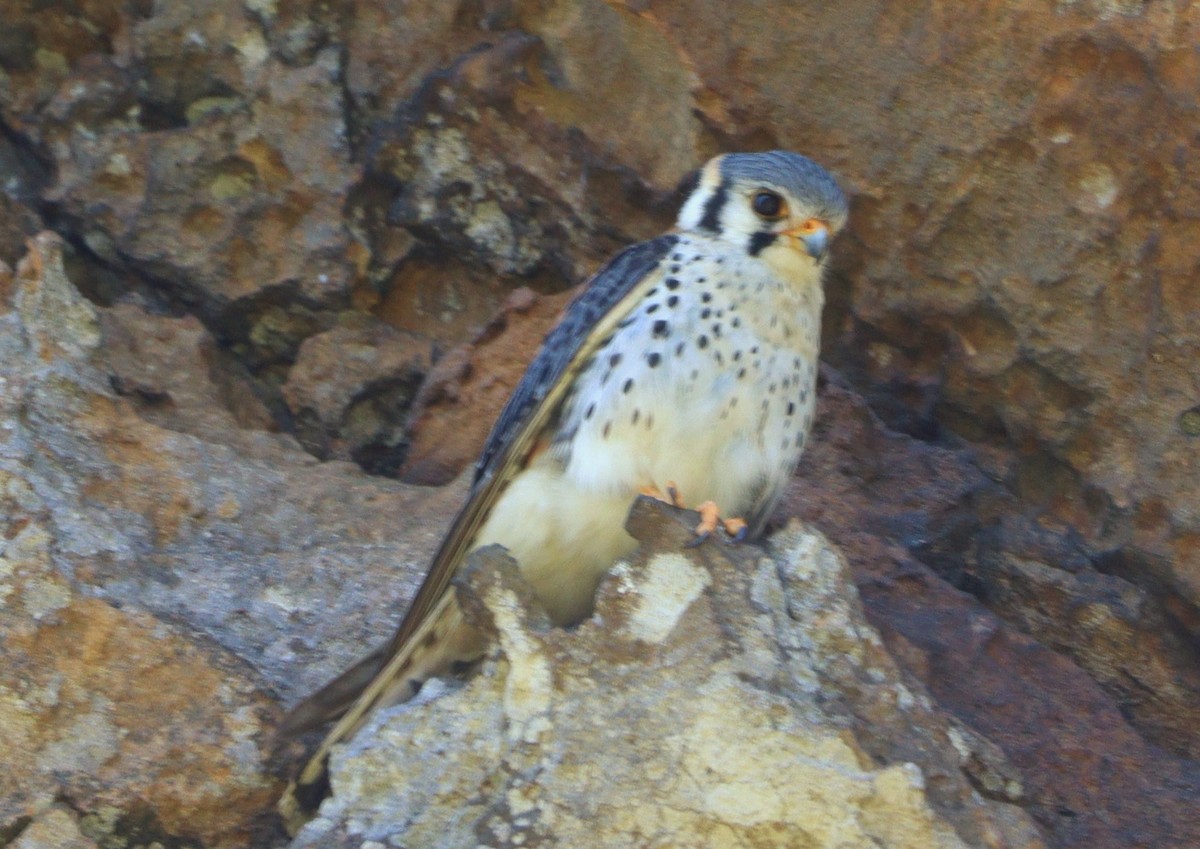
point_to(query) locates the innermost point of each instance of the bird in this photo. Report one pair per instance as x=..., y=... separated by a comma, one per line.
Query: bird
x=686, y=368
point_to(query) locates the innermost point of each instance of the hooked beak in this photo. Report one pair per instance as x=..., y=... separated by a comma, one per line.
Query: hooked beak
x=815, y=237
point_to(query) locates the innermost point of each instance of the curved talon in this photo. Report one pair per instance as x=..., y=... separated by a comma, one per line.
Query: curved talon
x=737, y=529
x=697, y=540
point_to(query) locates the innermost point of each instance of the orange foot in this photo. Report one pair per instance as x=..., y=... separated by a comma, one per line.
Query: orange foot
x=671, y=496
x=710, y=514
x=710, y=518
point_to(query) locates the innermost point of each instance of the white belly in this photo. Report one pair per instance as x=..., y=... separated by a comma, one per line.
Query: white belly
x=564, y=536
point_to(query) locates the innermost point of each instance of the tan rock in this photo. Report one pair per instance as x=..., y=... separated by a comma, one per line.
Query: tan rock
x=55, y=828
x=704, y=704
x=351, y=389
x=134, y=530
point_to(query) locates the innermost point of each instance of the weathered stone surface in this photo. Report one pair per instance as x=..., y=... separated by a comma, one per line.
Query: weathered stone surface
x=350, y=391
x=158, y=557
x=712, y=700
x=17, y=220
x=465, y=392
x=904, y=512
x=104, y=707
x=176, y=376
x=55, y=828
x=189, y=153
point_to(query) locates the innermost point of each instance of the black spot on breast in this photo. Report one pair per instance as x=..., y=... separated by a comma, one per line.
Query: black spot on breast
x=679, y=349
x=672, y=283
x=673, y=301
x=791, y=408
x=760, y=241
x=627, y=385
x=661, y=328
x=653, y=359
x=653, y=308
x=587, y=414
x=706, y=296
x=614, y=360
x=607, y=430
x=702, y=342
x=637, y=414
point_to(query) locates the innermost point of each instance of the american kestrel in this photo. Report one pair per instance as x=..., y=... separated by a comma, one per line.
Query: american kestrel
x=688, y=364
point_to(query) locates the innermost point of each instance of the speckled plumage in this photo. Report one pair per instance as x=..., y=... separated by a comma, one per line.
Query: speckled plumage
x=689, y=360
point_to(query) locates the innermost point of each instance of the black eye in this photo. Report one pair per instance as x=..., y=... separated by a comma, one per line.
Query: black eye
x=768, y=204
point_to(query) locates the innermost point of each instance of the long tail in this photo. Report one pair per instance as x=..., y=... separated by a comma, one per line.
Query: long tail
x=442, y=640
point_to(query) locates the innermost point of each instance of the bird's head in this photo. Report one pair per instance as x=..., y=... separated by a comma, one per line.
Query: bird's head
x=778, y=206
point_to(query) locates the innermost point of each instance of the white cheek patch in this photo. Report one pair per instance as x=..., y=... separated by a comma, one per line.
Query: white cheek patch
x=739, y=222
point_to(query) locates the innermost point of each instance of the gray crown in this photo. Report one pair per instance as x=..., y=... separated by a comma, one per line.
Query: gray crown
x=797, y=175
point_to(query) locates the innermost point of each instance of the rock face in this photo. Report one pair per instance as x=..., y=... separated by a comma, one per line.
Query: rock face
x=716, y=698
x=153, y=578
x=306, y=248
